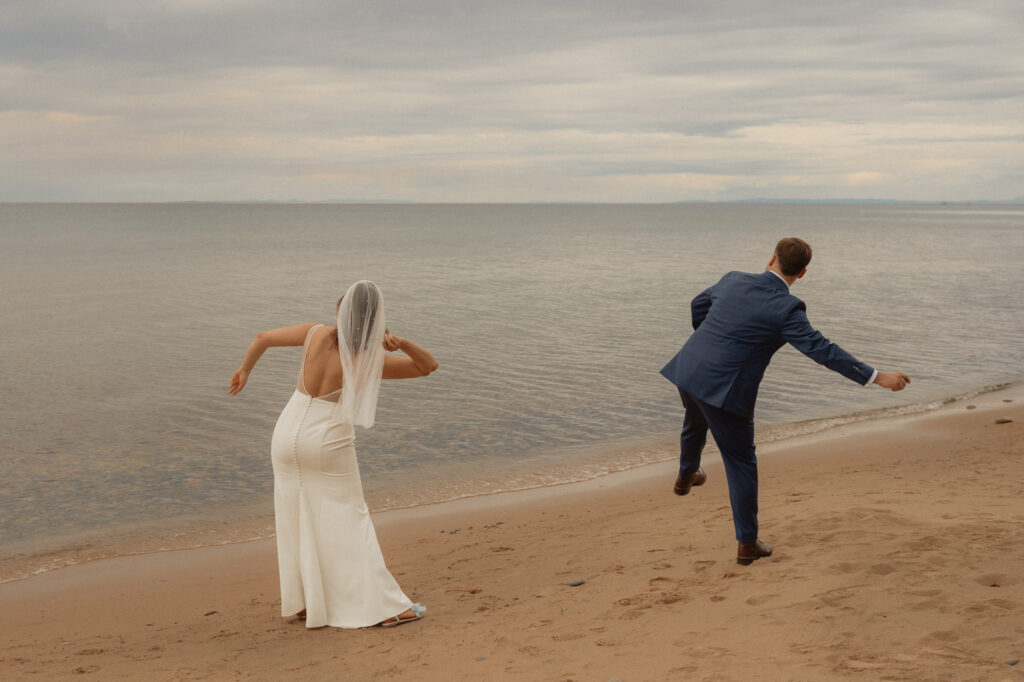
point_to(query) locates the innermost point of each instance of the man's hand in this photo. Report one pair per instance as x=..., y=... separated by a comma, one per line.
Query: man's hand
x=894, y=381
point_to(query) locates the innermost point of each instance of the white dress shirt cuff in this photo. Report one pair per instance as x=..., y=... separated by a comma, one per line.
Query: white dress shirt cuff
x=872, y=379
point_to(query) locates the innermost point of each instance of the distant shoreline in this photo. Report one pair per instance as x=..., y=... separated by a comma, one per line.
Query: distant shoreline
x=411, y=202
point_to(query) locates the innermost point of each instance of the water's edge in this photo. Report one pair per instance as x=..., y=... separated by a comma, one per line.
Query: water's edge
x=254, y=523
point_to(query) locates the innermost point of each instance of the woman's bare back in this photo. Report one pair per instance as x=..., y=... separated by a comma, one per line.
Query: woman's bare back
x=321, y=367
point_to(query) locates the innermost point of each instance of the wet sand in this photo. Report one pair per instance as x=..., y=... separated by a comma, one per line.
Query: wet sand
x=898, y=547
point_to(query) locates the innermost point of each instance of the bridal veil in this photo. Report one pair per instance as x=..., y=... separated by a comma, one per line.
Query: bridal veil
x=360, y=343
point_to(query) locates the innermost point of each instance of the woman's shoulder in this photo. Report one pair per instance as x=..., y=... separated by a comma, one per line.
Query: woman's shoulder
x=322, y=338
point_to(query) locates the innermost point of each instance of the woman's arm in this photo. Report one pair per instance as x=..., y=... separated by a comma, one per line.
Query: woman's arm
x=420, y=362
x=284, y=336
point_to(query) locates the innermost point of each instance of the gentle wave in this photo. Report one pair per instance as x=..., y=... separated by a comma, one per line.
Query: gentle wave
x=635, y=453
x=813, y=426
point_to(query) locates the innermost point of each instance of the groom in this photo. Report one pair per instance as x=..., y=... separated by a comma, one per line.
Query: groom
x=738, y=324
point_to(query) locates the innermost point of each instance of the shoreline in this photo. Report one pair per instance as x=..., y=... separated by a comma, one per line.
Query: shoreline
x=191, y=533
x=897, y=551
x=987, y=399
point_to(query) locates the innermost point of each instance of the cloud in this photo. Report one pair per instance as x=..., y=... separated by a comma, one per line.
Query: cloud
x=474, y=101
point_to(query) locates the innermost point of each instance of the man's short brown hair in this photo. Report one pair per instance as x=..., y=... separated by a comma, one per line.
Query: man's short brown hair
x=792, y=255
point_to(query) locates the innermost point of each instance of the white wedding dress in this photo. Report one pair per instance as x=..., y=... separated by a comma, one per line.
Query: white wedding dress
x=328, y=556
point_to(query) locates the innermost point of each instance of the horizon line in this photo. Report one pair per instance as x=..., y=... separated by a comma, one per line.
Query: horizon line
x=757, y=200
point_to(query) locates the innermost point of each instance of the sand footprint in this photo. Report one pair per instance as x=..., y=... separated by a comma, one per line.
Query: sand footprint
x=844, y=568
x=671, y=597
x=683, y=672
x=997, y=579
x=858, y=664
x=609, y=642
x=836, y=597
x=654, y=582
x=928, y=543
x=944, y=635
x=705, y=651
x=568, y=636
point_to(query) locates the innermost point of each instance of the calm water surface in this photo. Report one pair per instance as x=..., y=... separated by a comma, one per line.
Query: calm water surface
x=123, y=323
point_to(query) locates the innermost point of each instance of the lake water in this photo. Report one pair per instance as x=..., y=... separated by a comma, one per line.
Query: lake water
x=122, y=325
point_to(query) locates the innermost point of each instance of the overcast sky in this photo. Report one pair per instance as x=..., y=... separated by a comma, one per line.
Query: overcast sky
x=514, y=100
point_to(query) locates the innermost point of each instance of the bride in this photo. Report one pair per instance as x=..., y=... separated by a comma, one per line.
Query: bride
x=331, y=567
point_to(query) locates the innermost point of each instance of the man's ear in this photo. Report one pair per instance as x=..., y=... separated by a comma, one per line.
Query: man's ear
x=802, y=273
x=771, y=261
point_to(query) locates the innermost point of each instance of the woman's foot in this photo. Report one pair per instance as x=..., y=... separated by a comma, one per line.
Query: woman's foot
x=301, y=615
x=408, y=616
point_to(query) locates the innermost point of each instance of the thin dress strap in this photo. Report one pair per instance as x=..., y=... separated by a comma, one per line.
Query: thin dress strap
x=301, y=385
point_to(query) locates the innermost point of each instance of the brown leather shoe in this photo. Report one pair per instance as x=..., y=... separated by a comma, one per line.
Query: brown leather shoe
x=684, y=483
x=749, y=552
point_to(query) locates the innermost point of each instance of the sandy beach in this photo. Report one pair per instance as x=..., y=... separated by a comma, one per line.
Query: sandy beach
x=898, y=553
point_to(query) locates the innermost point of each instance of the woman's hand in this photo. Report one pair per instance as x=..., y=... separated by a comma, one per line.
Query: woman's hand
x=392, y=343
x=420, y=362
x=238, y=380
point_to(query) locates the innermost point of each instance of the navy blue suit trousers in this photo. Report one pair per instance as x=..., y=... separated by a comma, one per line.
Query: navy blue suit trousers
x=734, y=435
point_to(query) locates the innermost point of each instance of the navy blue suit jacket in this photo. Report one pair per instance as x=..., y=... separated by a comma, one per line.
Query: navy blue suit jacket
x=739, y=323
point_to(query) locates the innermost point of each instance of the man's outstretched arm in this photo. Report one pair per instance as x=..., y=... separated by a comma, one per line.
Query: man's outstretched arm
x=801, y=335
